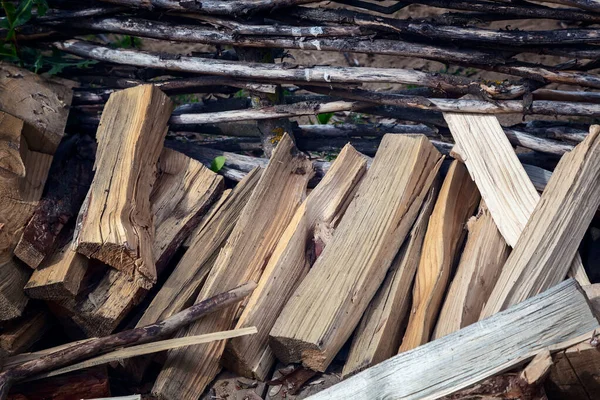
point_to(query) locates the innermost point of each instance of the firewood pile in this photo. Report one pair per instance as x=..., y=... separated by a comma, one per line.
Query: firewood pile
x=254, y=199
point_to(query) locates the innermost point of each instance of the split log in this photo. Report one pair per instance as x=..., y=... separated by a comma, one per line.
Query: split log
x=344, y=279
x=228, y=385
x=21, y=334
x=566, y=208
x=480, y=264
x=18, y=199
x=262, y=222
x=61, y=278
x=309, y=231
x=89, y=383
x=146, y=334
x=380, y=331
x=69, y=180
x=11, y=161
x=455, y=204
x=556, y=318
x=42, y=104
x=182, y=194
x=184, y=283
x=505, y=187
x=575, y=373
x=277, y=73
x=130, y=138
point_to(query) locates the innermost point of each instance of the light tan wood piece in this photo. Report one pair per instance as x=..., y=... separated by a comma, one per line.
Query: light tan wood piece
x=302, y=242
x=185, y=281
x=538, y=368
x=218, y=204
x=380, y=331
x=11, y=161
x=540, y=259
x=480, y=264
x=130, y=139
x=456, y=203
x=18, y=199
x=59, y=279
x=271, y=206
x=327, y=306
x=42, y=103
x=554, y=319
x=21, y=334
x=183, y=192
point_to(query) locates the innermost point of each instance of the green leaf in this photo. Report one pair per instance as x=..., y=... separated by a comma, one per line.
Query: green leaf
x=42, y=7
x=217, y=163
x=324, y=118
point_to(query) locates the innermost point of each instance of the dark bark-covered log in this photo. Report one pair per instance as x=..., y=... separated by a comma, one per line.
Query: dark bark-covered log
x=68, y=182
x=285, y=73
x=136, y=336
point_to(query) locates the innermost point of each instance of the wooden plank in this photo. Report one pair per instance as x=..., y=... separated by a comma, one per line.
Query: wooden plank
x=42, y=103
x=183, y=192
x=480, y=264
x=130, y=138
x=455, y=204
x=327, y=306
x=380, y=331
x=567, y=206
x=69, y=180
x=61, y=278
x=270, y=208
x=302, y=242
x=556, y=318
x=185, y=281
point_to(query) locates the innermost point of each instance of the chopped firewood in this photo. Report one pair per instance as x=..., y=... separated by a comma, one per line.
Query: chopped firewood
x=553, y=319
x=69, y=180
x=183, y=192
x=455, y=204
x=11, y=161
x=130, y=139
x=184, y=282
x=218, y=204
x=18, y=199
x=61, y=278
x=593, y=294
x=575, y=373
x=42, y=103
x=21, y=334
x=480, y=264
x=138, y=336
x=269, y=210
x=89, y=383
x=302, y=242
x=339, y=287
x=291, y=386
x=540, y=260
x=380, y=331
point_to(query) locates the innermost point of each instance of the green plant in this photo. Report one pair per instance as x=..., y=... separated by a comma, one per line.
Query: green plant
x=126, y=42
x=217, y=163
x=27, y=57
x=324, y=118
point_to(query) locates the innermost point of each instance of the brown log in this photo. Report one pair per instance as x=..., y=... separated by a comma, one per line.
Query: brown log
x=136, y=336
x=130, y=138
x=19, y=335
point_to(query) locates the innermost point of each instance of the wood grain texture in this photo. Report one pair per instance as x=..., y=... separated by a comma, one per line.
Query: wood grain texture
x=480, y=264
x=60, y=278
x=380, y=331
x=269, y=210
x=42, y=103
x=22, y=333
x=540, y=260
x=183, y=284
x=556, y=318
x=575, y=375
x=183, y=192
x=455, y=204
x=328, y=304
x=307, y=234
x=11, y=161
x=130, y=138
